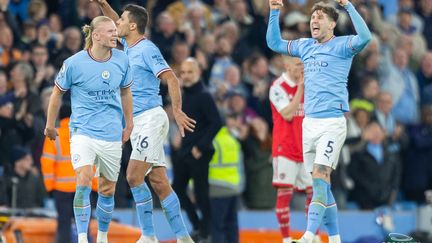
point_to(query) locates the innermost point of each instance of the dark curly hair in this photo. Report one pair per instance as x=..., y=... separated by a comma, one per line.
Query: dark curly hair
x=327, y=9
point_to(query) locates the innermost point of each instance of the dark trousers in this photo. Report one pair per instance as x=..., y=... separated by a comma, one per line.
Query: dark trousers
x=64, y=207
x=184, y=170
x=224, y=227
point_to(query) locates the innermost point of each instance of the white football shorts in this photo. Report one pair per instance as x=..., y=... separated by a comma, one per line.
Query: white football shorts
x=148, y=136
x=323, y=139
x=106, y=156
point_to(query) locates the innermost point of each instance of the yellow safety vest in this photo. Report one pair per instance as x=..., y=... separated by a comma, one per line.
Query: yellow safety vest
x=226, y=165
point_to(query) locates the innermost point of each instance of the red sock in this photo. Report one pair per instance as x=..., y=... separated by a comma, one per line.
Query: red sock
x=282, y=209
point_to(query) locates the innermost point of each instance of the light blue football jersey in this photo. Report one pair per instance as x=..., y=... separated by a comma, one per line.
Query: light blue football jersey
x=326, y=68
x=326, y=65
x=147, y=63
x=95, y=93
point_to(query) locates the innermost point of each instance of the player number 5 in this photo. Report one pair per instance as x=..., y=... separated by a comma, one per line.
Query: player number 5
x=329, y=149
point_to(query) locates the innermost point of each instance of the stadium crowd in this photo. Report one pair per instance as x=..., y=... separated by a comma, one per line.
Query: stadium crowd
x=388, y=151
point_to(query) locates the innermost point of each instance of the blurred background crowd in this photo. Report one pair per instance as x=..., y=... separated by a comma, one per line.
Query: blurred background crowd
x=390, y=86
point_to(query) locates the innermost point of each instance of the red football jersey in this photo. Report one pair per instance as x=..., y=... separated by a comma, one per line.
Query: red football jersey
x=287, y=135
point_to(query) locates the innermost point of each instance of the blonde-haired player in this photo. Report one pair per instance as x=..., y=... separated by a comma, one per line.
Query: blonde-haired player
x=99, y=80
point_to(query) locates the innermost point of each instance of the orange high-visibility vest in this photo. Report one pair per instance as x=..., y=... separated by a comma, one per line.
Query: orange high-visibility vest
x=56, y=163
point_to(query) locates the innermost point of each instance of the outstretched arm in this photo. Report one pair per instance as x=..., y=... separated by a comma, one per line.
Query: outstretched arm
x=107, y=10
x=274, y=38
x=363, y=33
x=182, y=120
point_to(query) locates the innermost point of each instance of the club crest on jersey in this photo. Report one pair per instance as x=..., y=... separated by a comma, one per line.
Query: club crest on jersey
x=105, y=74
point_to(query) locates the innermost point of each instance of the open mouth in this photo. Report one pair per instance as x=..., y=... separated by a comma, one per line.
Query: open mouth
x=315, y=30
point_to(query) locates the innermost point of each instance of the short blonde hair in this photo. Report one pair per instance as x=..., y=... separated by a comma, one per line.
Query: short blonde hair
x=88, y=30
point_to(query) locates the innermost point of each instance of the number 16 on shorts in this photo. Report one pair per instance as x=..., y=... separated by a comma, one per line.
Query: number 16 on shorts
x=142, y=143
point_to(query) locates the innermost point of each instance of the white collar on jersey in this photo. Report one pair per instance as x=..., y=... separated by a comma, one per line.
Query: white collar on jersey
x=288, y=80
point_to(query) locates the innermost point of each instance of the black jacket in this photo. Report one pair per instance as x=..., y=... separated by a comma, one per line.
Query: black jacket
x=200, y=106
x=374, y=182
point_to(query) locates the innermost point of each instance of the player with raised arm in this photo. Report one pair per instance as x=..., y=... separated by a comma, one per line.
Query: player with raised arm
x=151, y=122
x=327, y=61
x=99, y=80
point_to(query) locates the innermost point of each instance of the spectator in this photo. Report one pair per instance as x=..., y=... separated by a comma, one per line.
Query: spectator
x=9, y=54
x=221, y=62
x=72, y=44
x=15, y=129
x=237, y=105
x=178, y=9
x=376, y=173
x=29, y=36
x=394, y=131
x=179, y=52
x=418, y=168
x=256, y=146
x=424, y=74
x=358, y=118
x=425, y=12
x=165, y=34
x=402, y=84
x=196, y=148
x=20, y=9
x=21, y=77
x=37, y=11
x=370, y=90
x=226, y=179
x=24, y=187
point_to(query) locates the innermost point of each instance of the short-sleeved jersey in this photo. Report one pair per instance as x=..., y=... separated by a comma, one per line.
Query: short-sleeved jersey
x=287, y=135
x=147, y=63
x=326, y=68
x=95, y=93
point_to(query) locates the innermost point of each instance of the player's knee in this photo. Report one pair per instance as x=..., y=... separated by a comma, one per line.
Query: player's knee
x=106, y=190
x=159, y=185
x=134, y=179
x=84, y=178
x=322, y=172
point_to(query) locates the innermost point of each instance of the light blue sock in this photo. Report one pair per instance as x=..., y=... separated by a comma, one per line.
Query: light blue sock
x=144, y=207
x=331, y=214
x=171, y=207
x=317, y=207
x=82, y=209
x=104, y=210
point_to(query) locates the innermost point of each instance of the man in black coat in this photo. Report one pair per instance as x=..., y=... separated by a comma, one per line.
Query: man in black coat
x=196, y=150
x=375, y=170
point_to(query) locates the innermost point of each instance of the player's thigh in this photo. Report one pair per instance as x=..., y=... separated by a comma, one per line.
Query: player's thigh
x=82, y=152
x=304, y=178
x=108, y=159
x=331, y=142
x=83, y=158
x=310, y=135
x=148, y=137
x=284, y=171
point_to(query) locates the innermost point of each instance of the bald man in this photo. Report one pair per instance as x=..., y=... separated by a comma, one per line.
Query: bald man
x=196, y=150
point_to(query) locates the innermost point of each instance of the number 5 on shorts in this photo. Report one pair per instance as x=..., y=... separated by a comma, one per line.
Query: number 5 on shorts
x=329, y=149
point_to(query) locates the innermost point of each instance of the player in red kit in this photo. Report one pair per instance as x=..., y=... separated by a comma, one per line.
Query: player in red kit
x=286, y=97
